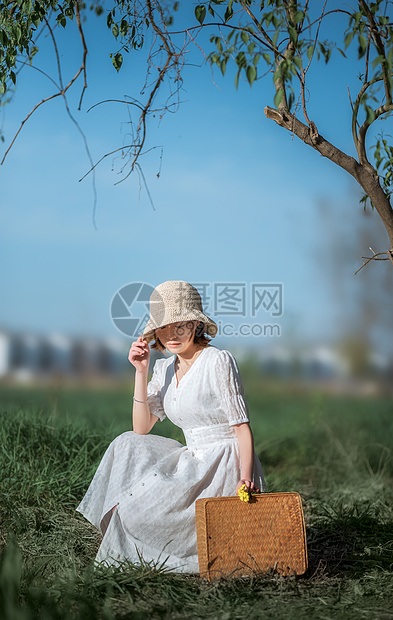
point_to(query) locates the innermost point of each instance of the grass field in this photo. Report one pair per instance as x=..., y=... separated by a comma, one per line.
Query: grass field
x=335, y=451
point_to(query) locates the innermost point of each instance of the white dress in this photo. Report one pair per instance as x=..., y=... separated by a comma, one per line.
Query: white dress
x=154, y=481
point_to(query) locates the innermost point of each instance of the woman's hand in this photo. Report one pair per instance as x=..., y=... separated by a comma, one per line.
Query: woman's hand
x=250, y=486
x=139, y=355
x=246, y=448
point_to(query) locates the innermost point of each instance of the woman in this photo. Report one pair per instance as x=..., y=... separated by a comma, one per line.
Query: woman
x=143, y=494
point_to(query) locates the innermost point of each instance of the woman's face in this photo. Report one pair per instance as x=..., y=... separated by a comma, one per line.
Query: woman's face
x=177, y=337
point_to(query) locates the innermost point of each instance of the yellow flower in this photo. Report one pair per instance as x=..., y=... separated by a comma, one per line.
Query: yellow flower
x=243, y=493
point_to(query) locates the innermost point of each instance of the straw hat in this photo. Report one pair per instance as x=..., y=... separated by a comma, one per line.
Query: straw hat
x=175, y=301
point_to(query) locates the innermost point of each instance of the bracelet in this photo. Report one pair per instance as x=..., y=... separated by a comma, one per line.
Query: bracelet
x=139, y=401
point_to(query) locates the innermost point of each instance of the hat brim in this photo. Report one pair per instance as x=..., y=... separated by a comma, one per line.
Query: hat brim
x=210, y=327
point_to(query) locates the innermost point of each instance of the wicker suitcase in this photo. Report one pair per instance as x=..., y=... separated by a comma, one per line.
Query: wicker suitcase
x=240, y=538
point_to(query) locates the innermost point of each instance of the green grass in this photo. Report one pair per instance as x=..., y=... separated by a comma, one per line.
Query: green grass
x=335, y=451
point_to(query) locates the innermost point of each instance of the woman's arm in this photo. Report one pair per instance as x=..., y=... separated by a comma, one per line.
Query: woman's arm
x=142, y=420
x=139, y=356
x=246, y=447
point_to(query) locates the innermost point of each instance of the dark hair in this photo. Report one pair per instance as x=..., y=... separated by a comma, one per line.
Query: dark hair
x=200, y=337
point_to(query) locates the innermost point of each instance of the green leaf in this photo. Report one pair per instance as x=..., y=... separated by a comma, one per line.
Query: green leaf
x=237, y=78
x=278, y=97
x=200, y=13
x=61, y=19
x=241, y=60
x=251, y=74
x=244, y=37
x=348, y=38
x=278, y=73
x=115, y=30
x=377, y=60
x=267, y=58
x=124, y=26
x=228, y=13
x=3, y=38
x=325, y=51
x=13, y=77
x=297, y=61
x=389, y=59
x=370, y=114
x=117, y=61
x=299, y=16
x=310, y=51
x=292, y=34
x=291, y=100
x=223, y=65
x=362, y=45
x=33, y=51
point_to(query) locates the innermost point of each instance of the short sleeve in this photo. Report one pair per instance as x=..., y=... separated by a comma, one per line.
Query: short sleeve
x=231, y=389
x=154, y=391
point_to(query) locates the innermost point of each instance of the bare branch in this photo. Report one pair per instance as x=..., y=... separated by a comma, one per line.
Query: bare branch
x=375, y=256
x=360, y=143
x=374, y=31
x=137, y=105
x=316, y=35
x=259, y=26
x=31, y=66
x=383, y=109
x=63, y=92
x=172, y=59
x=82, y=36
x=367, y=58
x=25, y=120
x=121, y=148
x=59, y=94
x=367, y=179
x=56, y=52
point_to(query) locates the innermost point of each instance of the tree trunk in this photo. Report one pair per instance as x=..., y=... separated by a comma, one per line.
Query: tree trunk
x=368, y=180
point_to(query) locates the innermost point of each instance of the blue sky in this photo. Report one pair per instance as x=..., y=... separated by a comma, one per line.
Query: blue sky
x=238, y=200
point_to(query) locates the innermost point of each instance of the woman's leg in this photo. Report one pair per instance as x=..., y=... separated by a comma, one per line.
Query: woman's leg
x=106, y=519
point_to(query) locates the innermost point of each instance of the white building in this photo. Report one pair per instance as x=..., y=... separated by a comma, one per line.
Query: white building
x=27, y=356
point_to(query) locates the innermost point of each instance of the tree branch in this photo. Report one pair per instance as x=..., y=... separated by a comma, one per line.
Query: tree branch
x=360, y=145
x=374, y=30
x=82, y=36
x=171, y=58
x=258, y=24
x=383, y=109
x=25, y=120
x=375, y=256
x=367, y=179
x=61, y=92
